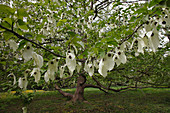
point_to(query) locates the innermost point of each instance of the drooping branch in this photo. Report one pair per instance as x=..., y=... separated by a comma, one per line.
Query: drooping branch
x=106, y=3
x=63, y=93
x=93, y=86
x=51, y=40
x=21, y=37
x=111, y=89
x=99, y=84
x=38, y=45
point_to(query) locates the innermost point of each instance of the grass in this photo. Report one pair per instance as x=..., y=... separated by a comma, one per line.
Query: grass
x=149, y=100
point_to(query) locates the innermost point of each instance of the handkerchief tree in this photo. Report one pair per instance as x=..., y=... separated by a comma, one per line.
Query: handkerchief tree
x=84, y=39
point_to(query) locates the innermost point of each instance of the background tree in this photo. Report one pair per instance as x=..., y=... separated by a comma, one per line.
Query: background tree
x=67, y=40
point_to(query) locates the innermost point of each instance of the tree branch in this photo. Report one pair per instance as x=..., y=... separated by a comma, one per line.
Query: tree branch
x=93, y=86
x=63, y=93
x=21, y=37
x=38, y=45
x=111, y=89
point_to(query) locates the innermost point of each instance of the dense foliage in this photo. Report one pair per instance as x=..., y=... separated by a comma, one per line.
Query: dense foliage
x=122, y=42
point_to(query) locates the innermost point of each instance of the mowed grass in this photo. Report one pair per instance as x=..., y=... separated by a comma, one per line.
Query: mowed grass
x=149, y=100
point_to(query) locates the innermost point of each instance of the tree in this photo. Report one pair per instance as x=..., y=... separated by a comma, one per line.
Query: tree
x=83, y=39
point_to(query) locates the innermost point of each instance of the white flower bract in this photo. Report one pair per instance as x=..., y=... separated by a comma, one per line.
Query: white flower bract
x=14, y=77
x=13, y=45
x=22, y=83
x=153, y=40
x=36, y=73
x=116, y=59
x=90, y=68
x=79, y=65
x=109, y=63
x=62, y=68
x=102, y=68
x=27, y=53
x=70, y=61
x=38, y=59
x=46, y=77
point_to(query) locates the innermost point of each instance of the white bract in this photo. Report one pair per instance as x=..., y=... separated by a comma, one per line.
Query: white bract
x=70, y=61
x=121, y=56
x=27, y=53
x=148, y=26
x=51, y=69
x=155, y=23
x=116, y=59
x=1, y=44
x=153, y=40
x=13, y=45
x=124, y=46
x=86, y=65
x=139, y=43
x=23, y=82
x=56, y=64
x=164, y=21
x=45, y=31
x=102, y=68
x=20, y=83
x=38, y=59
x=46, y=77
x=36, y=73
x=90, y=68
x=62, y=68
x=26, y=72
x=51, y=66
x=24, y=109
x=79, y=65
x=14, y=77
x=109, y=63
x=96, y=63
x=141, y=32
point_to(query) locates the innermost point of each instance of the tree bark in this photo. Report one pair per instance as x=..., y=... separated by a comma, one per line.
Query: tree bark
x=79, y=93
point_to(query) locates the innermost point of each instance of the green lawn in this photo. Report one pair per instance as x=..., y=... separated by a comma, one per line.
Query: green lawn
x=150, y=100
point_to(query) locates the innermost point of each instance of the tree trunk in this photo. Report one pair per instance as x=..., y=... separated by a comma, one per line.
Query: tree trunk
x=79, y=93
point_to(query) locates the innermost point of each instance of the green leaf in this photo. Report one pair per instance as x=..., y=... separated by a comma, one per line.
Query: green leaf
x=23, y=27
x=98, y=44
x=72, y=34
x=21, y=13
x=21, y=44
x=27, y=35
x=7, y=35
x=102, y=53
x=132, y=19
x=84, y=54
x=6, y=24
x=64, y=20
x=59, y=24
x=168, y=4
x=9, y=20
x=21, y=22
x=4, y=9
x=1, y=30
x=75, y=40
x=3, y=63
x=161, y=2
x=40, y=36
